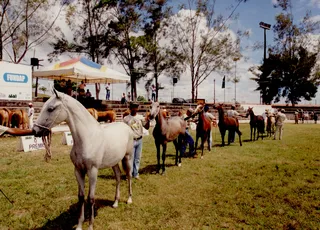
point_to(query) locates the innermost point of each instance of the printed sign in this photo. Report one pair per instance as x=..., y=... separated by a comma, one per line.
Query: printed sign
x=15, y=82
x=67, y=138
x=30, y=143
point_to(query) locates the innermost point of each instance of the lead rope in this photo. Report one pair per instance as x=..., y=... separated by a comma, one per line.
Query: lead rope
x=47, y=143
x=47, y=139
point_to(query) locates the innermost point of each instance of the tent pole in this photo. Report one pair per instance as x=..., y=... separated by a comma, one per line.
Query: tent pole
x=77, y=87
x=112, y=89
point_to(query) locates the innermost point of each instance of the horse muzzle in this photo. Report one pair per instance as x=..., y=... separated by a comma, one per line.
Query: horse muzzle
x=39, y=131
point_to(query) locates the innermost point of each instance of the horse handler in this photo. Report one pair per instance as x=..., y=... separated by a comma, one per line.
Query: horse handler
x=135, y=123
x=280, y=118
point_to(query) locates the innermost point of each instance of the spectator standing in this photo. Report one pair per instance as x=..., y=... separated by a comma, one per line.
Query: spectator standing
x=123, y=98
x=129, y=96
x=30, y=115
x=108, y=91
x=232, y=113
x=315, y=117
x=135, y=123
x=153, y=93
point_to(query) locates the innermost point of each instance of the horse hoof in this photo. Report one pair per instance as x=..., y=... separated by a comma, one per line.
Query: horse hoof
x=163, y=173
x=129, y=201
x=179, y=165
x=115, y=205
x=201, y=157
x=90, y=228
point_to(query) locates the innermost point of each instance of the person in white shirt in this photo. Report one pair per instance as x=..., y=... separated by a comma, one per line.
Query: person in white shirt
x=280, y=118
x=233, y=113
x=30, y=115
x=135, y=123
x=212, y=119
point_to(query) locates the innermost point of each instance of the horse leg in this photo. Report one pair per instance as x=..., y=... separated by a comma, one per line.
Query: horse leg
x=117, y=174
x=127, y=167
x=92, y=174
x=164, y=149
x=176, y=146
x=80, y=176
x=222, y=137
x=239, y=134
x=158, y=157
x=203, y=139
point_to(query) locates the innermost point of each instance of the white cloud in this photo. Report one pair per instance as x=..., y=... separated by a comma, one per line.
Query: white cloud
x=315, y=3
x=274, y=2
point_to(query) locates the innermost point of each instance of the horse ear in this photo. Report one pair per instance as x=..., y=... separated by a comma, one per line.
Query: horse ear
x=55, y=92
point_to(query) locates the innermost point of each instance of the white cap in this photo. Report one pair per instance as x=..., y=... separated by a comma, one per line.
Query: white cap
x=30, y=103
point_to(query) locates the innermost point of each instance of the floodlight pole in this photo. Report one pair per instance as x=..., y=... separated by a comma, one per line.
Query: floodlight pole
x=265, y=27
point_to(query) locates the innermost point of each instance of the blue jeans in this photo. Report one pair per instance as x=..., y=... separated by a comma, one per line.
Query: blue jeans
x=108, y=95
x=136, y=157
x=187, y=140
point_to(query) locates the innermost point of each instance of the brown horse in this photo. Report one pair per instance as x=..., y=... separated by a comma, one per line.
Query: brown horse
x=203, y=128
x=227, y=123
x=271, y=123
x=5, y=115
x=166, y=130
x=93, y=112
x=19, y=119
x=256, y=124
x=106, y=116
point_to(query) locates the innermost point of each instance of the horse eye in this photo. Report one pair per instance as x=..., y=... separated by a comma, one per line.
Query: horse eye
x=50, y=109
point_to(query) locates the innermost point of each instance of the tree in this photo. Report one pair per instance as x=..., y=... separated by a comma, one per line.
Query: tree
x=43, y=89
x=158, y=57
x=89, y=31
x=205, y=41
x=291, y=69
x=24, y=25
x=125, y=40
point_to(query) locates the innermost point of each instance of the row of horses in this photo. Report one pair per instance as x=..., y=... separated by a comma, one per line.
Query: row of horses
x=96, y=147
x=17, y=118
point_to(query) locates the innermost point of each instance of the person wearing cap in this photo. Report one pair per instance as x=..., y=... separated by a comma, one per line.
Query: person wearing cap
x=212, y=120
x=135, y=122
x=188, y=140
x=280, y=118
x=30, y=115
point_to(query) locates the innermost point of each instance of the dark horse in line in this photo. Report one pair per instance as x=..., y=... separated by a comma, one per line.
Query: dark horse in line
x=256, y=124
x=203, y=128
x=167, y=130
x=227, y=123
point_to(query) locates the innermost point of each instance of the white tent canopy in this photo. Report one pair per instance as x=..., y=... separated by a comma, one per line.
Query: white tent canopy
x=82, y=69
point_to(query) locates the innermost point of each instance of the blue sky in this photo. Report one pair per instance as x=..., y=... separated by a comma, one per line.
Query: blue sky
x=251, y=14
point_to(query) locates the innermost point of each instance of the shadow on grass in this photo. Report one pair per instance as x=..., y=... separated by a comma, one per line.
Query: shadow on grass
x=69, y=219
x=152, y=169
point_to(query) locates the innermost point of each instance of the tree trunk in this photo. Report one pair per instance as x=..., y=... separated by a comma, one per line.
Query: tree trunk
x=1, y=45
x=157, y=86
x=97, y=90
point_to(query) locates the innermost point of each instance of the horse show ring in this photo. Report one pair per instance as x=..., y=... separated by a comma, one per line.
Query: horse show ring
x=140, y=186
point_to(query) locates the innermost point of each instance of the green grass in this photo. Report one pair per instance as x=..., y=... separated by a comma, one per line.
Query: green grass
x=267, y=184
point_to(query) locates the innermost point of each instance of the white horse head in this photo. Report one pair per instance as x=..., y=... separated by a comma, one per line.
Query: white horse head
x=52, y=114
x=155, y=109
